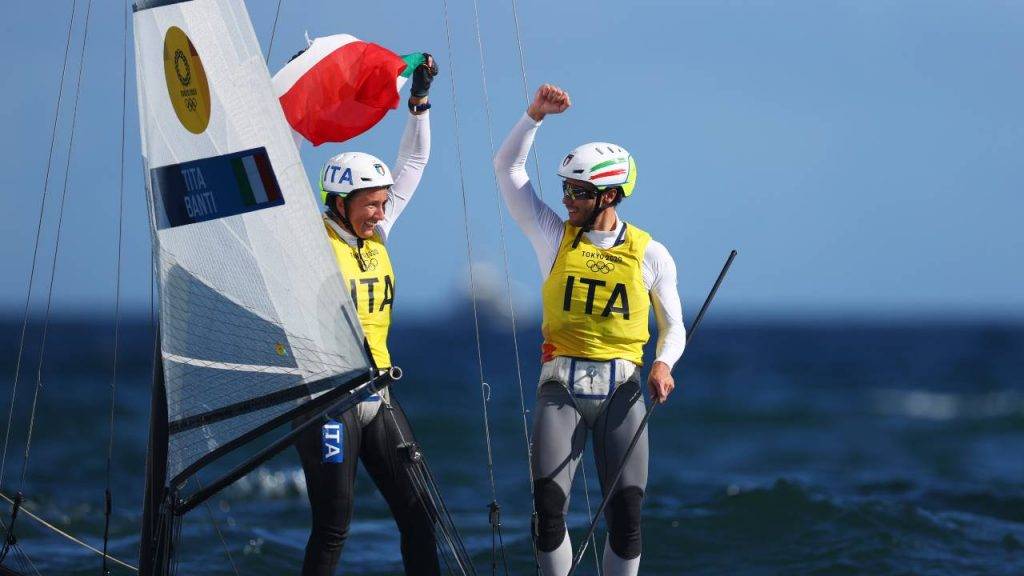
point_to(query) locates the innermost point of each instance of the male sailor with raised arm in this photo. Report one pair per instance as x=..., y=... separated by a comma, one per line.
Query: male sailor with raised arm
x=363, y=199
x=601, y=276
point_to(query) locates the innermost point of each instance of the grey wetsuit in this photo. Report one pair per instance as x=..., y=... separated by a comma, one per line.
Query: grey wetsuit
x=605, y=398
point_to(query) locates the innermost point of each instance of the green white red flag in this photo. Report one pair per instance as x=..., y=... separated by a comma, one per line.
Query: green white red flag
x=341, y=87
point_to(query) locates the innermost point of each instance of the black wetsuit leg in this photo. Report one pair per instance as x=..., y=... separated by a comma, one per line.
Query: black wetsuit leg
x=381, y=438
x=330, y=487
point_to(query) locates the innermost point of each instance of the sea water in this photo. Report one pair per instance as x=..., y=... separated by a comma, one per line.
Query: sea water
x=844, y=447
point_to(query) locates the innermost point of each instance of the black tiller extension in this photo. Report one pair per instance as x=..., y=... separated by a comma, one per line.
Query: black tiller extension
x=643, y=423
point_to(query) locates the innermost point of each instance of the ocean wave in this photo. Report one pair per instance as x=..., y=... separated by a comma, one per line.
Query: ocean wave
x=944, y=406
x=887, y=528
x=896, y=507
x=992, y=504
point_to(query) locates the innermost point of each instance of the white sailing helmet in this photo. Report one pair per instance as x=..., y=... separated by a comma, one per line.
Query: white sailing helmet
x=350, y=171
x=603, y=164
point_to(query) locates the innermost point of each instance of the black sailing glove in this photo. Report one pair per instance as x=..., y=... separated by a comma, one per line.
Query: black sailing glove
x=422, y=76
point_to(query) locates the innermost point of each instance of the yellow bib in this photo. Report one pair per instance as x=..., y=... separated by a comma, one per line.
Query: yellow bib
x=372, y=289
x=595, y=302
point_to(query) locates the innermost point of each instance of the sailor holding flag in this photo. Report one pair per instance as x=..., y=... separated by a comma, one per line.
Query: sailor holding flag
x=362, y=198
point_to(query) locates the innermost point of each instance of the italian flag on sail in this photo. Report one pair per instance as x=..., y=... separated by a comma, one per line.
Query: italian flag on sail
x=341, y=86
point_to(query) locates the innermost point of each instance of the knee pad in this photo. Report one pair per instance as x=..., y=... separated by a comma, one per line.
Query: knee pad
x=624, y=522
x=549, y=501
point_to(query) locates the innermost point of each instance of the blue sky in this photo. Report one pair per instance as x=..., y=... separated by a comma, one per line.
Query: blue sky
x=863, y=157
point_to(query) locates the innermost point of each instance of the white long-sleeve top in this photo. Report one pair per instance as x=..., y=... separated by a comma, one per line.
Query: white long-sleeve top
x=413, y=153
x=544, y=228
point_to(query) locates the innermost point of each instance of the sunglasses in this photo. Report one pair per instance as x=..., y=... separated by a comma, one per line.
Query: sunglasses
x=572, y=191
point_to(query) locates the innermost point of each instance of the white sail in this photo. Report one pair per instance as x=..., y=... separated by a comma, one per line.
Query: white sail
x=254, y=318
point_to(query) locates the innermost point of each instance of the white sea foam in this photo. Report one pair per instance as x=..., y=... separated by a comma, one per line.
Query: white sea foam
x=266, y=483
x=942, y=406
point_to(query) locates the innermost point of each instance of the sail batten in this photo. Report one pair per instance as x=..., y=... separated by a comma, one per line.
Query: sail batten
x=347, y=394
x=254, y=318
x=251, y=405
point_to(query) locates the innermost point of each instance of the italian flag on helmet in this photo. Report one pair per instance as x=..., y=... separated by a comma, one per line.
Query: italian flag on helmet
x=602, y=164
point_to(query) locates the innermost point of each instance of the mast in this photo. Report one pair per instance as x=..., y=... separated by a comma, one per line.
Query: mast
x=154, y=549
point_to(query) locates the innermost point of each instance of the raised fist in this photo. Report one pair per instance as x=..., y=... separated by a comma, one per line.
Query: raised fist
x=423, y=76
x=550, y=99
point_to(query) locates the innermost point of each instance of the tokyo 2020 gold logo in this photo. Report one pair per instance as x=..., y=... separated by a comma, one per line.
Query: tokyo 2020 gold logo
x=186, y=81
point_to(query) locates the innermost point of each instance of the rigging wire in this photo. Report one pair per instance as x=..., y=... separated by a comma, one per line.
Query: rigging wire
x=484, y=387
x=11, y=539
x=504, y=244
x=273, y=31
x=454, y=552
x=20, y=556
x=506, y=263
x=56, y=250
x=175, y=542
x=216, y=528
x=429, y=495
x=24, y=563
x=68, y=536
x=35, y=250
x=446, y=520
x=526, y=94
x=540, y=188
x=590, y=514
x=108, y=498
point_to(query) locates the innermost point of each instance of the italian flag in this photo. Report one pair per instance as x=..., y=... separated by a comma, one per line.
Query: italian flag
x=255, y=179
x=341, y=86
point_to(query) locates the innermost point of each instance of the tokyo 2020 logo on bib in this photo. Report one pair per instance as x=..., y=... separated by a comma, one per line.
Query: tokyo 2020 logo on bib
x=186, y=81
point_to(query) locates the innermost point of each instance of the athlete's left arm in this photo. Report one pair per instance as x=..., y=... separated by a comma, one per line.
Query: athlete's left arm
x=660, y=276
x=414, y=150
x=413, y=153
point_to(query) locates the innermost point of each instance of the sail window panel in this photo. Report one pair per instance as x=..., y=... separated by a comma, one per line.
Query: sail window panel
x=201, y=323
x=194, y=390
x=189, y=446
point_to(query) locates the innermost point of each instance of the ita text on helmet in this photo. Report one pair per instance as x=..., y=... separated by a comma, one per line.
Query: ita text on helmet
x=351, y=171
